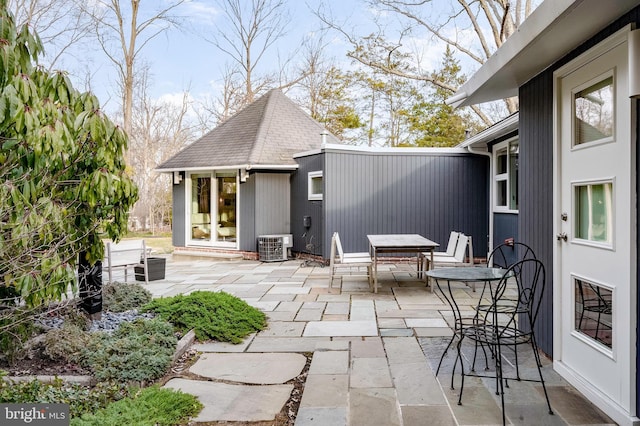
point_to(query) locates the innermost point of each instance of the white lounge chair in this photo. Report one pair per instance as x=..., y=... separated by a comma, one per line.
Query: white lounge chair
x=459, y=257
x=451, y=249
x=340, y=259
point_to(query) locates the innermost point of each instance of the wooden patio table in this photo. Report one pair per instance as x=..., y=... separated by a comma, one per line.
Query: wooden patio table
x=398, y=243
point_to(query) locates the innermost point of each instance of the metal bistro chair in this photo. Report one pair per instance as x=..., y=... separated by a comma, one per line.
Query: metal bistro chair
x=504, y=256
x=510, y=324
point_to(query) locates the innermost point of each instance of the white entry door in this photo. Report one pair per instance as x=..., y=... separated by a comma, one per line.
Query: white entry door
x=594, y=277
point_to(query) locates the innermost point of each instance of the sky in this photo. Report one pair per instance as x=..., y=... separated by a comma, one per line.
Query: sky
x=181, y=59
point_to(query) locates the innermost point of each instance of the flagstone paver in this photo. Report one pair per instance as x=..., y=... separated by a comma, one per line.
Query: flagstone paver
x=252, y=368
x=341, y=328
x=373, y=355
x=224, y=402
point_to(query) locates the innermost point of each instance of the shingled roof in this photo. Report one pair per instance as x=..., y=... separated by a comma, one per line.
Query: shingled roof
x=264, y=134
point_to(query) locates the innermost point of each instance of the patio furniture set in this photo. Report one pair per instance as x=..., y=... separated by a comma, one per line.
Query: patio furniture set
x=508, y=305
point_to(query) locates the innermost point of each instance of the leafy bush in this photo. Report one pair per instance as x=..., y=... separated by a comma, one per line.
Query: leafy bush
x=66, y=343
x=121, y=297
x=151, y=406
x=137, y=351
x=81, y=399
x=218, y=316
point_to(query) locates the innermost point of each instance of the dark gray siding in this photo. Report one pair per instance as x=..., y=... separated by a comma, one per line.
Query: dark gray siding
x=505, y=226
x=178, y=233
x=247, y=210
x=427, y=194
x=301, y=206
x=273, y=204
x=536, y=188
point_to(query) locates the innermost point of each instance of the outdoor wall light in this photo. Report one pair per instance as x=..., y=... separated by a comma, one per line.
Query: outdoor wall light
x=177, y=178
x=634, y=63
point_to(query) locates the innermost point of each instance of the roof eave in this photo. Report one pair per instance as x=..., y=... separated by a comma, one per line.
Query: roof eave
x=286, y=167
x=501, y=128
x=553, y=30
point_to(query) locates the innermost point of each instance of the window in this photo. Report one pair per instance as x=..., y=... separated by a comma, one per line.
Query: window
x=594, y=212
x=593, y=111
x=315, y=185
x=506, y=176
x=593, y=311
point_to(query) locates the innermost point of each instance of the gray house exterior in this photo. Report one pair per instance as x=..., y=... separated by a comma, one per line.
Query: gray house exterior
x=574, y=64
x=233, y=184
x=272, y=170
x=428, y=191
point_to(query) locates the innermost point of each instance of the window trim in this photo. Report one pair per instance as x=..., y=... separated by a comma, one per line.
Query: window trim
x=314, y=196
x=502, y=177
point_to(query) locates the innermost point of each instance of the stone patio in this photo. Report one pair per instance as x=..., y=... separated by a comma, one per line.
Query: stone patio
x=374, y=355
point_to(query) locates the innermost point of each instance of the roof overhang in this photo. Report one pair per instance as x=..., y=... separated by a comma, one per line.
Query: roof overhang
x=247, y=167
x=501, y=128
x=553, y=29
x=386, y=150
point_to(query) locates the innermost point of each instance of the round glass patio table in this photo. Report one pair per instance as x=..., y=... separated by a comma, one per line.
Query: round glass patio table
x=467, y=273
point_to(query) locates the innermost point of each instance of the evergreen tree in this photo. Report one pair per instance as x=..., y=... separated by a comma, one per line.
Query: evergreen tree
x=432, y=121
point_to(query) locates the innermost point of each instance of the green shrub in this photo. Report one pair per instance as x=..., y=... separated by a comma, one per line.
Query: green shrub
x=66, y=343
x=81, y=399
x=151, y=406
x=121, y=297
x=137, y=351
x=218, y=316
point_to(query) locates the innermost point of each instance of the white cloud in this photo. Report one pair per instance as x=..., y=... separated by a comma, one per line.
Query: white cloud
x=200, y=11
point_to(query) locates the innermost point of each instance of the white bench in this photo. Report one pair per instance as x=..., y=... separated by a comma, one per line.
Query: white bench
x=125, y=254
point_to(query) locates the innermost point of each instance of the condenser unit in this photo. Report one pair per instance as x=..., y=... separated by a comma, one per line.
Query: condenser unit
x=274, y=248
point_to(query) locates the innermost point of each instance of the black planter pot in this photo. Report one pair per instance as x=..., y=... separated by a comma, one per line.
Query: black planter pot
x=156, y=267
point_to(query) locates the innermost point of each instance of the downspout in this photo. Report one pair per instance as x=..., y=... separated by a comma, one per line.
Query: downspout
x=490, y=156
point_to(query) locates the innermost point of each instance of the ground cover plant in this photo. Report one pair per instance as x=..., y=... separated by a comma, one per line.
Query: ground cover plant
x=121, y=297
x=137, y=351
x=150, y=406
x=218, y=316
x=81, y=399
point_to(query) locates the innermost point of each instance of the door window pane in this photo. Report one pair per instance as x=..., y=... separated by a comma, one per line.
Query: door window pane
x=226, y=226
x=201, y=207
x=593, y=311
x=594, y=215
x=594, y=112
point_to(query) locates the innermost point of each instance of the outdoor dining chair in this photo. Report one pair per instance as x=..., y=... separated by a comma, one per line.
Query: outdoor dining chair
x=449, y=252
x=340, y=259
x=509, y=324
x=504, y=256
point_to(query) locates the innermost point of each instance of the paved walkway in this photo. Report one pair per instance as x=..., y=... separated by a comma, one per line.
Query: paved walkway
x=373, y=355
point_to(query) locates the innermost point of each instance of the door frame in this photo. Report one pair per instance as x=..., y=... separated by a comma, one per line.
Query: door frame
x=591, y=392
x=213, y=242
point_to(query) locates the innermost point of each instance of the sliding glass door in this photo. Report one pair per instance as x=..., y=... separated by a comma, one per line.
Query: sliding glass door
x=212, y=209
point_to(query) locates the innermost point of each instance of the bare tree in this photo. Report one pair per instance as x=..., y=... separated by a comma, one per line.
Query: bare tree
x=60, y=24
x=123, y=29
x=490, y=21
x=254, y=26
x=159, y=130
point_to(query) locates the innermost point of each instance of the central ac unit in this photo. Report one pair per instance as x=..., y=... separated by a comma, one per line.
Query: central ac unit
x=274, y=248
